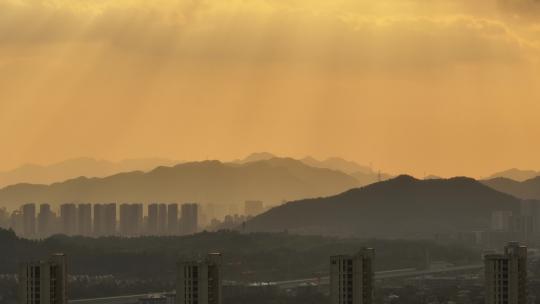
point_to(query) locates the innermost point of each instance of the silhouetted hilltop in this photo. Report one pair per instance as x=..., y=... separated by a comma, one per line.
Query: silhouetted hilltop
x=400, y=207
x=254, y=157
x=337, y=163
x=515, y=174
x=363, y=174
x=89, y=167
x=272, y=181
x=529, y=189
x=432, y=176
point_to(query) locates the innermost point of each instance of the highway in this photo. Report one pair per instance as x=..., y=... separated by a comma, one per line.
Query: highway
x=129, y=299
x=381, y=275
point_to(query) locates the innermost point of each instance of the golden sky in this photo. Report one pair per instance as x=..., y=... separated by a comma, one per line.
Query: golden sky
x=448, y=87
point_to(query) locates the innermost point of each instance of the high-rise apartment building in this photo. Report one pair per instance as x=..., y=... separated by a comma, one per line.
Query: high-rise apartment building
x=131, y=219
x=352, y=277
x=506, y=275
x=104, y=219
x=172, y=219
x=46, y=221
x=152, y=219
x=157, y=219
x=84, y=219
x=98, y=221
x=110, y=219
x=29, y=220
x=68, y=219
x=190, y=218
x=43, y=282
x=199, y=282
x=162, y=219
x=501, y=220
x=16, y=222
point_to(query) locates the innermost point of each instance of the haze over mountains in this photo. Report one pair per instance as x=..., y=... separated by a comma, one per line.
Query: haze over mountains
x=528, y=189
x=364, y=174
x=273, y=181
x=516, y=174
x=260, y=176
x=84, y=166
x=401, y=207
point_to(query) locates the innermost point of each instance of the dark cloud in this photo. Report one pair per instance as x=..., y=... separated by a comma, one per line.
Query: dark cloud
x=188, y=31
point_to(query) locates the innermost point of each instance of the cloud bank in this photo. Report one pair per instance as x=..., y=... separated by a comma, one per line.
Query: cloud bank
x=440, y=81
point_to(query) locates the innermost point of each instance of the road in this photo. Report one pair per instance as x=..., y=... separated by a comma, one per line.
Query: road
x=381, y=275
x=129, y=299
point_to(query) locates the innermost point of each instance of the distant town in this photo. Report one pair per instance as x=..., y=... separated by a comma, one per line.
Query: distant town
x=36, y=221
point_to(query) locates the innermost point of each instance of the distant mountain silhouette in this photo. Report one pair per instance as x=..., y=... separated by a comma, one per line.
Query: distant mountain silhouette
x=529, y=189
x=431, y=176
x=254, y=157
x=337, y=163
x=516, y=174
x=368, y=178
x=272, y=181
x=89, y=167
x=365, y=175
x=401, y=207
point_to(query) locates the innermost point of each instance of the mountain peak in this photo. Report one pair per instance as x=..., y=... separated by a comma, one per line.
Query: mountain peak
x=516, y=174
x=254, y=157
x=401, y=207
x=405, y=178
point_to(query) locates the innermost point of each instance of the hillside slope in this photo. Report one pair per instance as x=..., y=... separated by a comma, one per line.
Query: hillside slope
x=401, y=207
x=72, y=168
x=272, y=181
x=529, y=189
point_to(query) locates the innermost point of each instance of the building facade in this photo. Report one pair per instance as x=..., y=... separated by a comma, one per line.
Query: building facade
x=131, y=219
x=68, y=219
x=152, y=219
x=29, y=220
x=506, y=275
x=190, y=219
x=199, y=282
x=84, y=219
x=172, y=219
x=46, y=221
x=104, y=219
x=352, y=277
x=162, y=219
x=43, y=282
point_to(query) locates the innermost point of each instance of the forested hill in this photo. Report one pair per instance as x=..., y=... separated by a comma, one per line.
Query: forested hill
x=401, y=207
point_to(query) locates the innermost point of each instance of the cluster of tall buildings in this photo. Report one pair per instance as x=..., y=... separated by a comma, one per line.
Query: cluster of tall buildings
x=352, y=279
x=39, y=221
x=522, y=224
